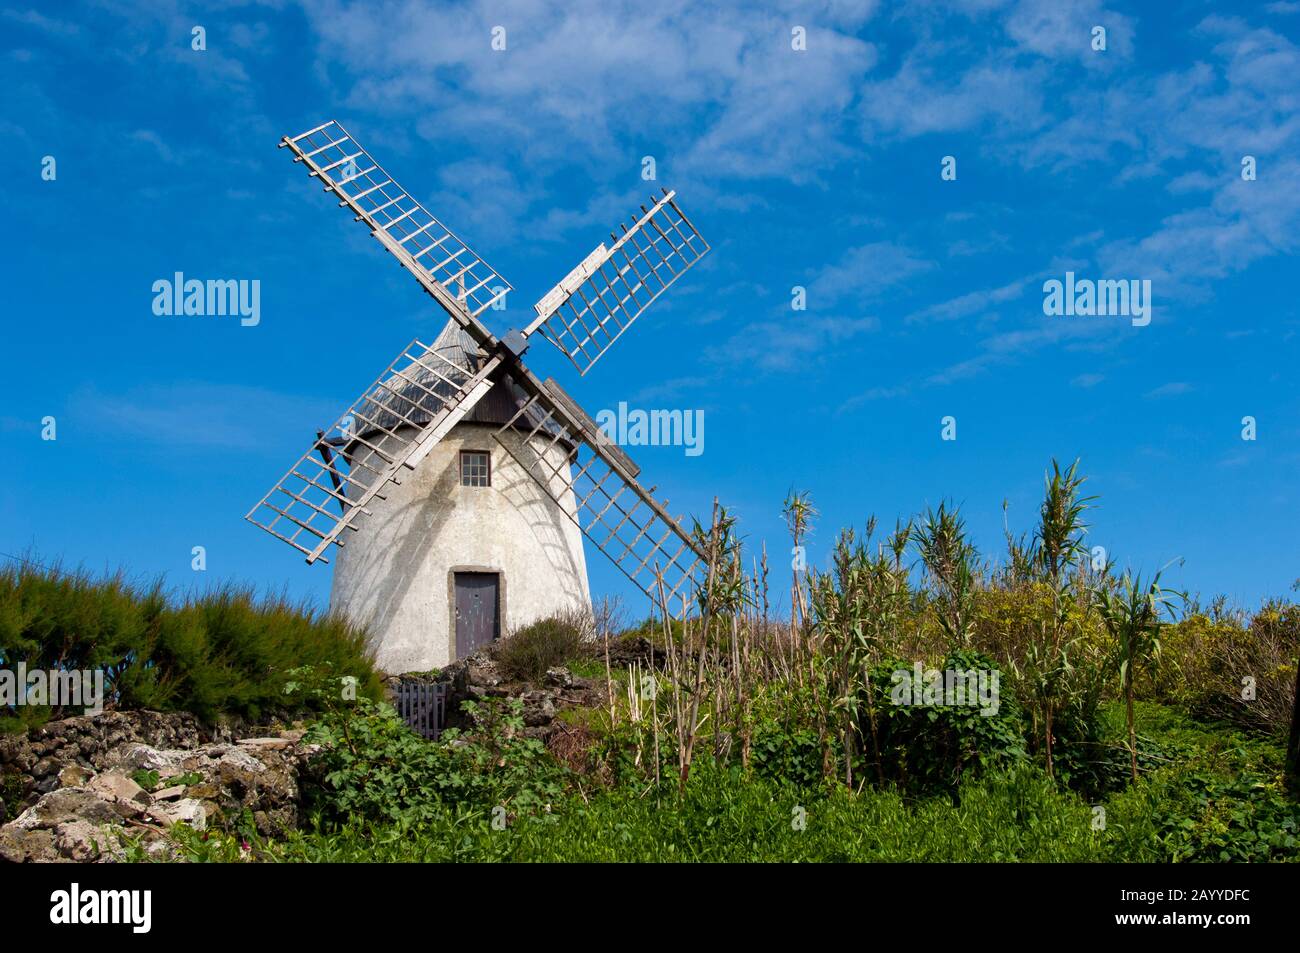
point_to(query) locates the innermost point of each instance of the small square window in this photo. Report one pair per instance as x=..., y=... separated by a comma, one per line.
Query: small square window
x=475, y=468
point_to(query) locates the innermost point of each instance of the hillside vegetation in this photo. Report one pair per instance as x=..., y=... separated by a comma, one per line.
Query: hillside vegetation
x=1131, y=723
x=1108, y=719
x=223, y=651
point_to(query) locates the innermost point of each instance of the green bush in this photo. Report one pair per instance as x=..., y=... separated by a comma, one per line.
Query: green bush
x=398, y=798
x=934, y=748
x=787, y=756
x=223, y=651
x=555, y=640
x=1212, y=656
x=373, y=768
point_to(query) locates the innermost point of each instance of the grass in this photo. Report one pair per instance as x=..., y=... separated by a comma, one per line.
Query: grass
x=725, y=817
x=220, y=651
x=1216, y=798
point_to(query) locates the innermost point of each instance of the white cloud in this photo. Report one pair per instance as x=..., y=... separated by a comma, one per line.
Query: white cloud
x=796, y=343
x=586, y=81
x=1172, y=389
x=970, y=304
x=865, y=271
x=918, y=100
x=1062, y=29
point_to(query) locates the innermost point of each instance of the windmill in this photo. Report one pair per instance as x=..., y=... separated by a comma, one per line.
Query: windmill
x=427, y=559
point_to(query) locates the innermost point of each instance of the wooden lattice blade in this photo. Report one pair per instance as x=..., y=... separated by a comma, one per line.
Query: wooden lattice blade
x=620, y=517
x=389, y=429
x=596, y=302
x=448, y=268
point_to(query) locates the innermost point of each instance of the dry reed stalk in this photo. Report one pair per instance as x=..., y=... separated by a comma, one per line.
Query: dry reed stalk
x=654, y=718
x=706, y=621
x=609, y=679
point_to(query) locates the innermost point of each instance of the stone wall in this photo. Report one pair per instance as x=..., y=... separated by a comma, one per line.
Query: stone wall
x=479, y=677
x=30, y=764
x=76, y=785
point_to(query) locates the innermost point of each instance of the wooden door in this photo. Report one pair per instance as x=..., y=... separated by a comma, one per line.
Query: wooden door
x=478, y=605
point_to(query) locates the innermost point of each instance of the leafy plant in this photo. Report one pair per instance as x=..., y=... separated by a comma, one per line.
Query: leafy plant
x=949, y=559
x=1050, y=667
x=1205, y=817
x=146, y=778
x=373, y=768
x=1132, y=616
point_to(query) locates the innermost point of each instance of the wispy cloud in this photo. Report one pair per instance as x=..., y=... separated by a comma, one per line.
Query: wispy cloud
x=799, y=343
x=972, y=303
x=1172, y=389
x=201, y=415
x=865, y=271
x=643, y=72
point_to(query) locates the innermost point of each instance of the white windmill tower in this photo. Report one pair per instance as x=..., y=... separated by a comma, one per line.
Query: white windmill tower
x=467, y=483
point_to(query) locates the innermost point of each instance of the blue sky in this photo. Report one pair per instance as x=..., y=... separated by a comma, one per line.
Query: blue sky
x=817, y=168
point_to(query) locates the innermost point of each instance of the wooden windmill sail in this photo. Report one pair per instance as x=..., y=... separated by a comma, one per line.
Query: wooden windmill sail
x=417, y=400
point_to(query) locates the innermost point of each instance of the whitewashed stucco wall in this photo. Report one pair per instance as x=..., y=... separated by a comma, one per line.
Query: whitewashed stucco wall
x=394, y=574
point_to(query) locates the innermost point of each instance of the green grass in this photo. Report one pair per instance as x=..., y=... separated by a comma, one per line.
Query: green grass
x=215, y=652
x=725, y=817
x=1218, y=799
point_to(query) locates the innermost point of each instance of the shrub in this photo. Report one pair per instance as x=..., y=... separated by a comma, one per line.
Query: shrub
x=1189, y=814
x=372, y=768
x=555, y=640
x=1213, y=656
x=788, y=756
x=222, y=651
x=933, y=748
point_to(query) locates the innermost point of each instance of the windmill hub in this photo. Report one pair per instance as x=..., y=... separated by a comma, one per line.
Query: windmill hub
x=515, y=342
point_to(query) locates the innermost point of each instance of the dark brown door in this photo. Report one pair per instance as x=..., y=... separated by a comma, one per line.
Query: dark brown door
x=477, y=611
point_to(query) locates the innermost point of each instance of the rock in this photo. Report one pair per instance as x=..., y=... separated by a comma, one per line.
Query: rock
x=481, y=670
x=85, y=741
x=18, y=846
x=185, y=811
x=83, y=841
x=65, y=804
x=478, y=678
x=204, y=790
x=113, y=786
x=623, y=652
x=86, y=804
x=74, y=776
x=539, y=708
x=559, y=677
